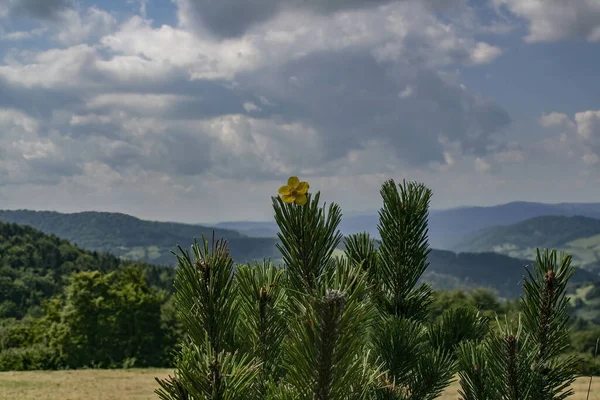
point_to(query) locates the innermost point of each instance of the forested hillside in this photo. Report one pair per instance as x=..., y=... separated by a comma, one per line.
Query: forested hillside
x=579, y=236
x=34, y=267
x=61, y=306
x=64, y=307
x=497, y=272
x=129, y=237
x=135, y=239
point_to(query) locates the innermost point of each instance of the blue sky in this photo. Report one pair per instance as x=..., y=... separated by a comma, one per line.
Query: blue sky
x=195, y=110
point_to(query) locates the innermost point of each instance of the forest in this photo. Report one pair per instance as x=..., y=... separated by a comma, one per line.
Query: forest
x=64, y=307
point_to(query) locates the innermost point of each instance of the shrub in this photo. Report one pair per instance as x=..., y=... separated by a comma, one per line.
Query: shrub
x=35, y=357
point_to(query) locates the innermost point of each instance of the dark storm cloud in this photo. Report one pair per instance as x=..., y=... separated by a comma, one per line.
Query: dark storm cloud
x=37, y=101
x=40, y=9
x=350, y=98
x=176, y=150
x=231, y=18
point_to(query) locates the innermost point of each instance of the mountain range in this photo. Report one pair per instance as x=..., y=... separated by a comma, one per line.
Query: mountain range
x=447, y=228
x=482, y=255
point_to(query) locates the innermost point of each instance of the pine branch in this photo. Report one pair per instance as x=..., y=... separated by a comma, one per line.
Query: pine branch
x=205, y=294
x=324, y=354
x=456, y=326
x=206, y=374
x=308, y=238
x=404, y=249
x=360, y=250
x=509, y=363
x=475, y=375
x=171, y=388
x=399, y=341
x=206, y=300
x=262, y=317
x=546, y=318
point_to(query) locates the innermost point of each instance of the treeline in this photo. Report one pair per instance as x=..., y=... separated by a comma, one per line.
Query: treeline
x=101, y=320
x=62, y=307
x=35, y=267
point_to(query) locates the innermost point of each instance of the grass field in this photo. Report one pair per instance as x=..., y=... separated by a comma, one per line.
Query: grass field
x=136, y=384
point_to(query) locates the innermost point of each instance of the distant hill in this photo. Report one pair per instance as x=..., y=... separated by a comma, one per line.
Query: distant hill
x=445, y=226
x=448, y=225
x=135, y=239
x=132, y=238
x=251, y=228
x=33, y=266
x=579, y=236
x=497, y=272
x=501, y=273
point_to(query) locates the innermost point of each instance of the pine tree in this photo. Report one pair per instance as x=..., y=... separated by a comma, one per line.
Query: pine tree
x=418, y=359
x=324, y=327
x=523, y=359
x=209, y=367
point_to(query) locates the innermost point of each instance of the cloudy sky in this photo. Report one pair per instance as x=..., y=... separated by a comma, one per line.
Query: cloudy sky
x=198, y=110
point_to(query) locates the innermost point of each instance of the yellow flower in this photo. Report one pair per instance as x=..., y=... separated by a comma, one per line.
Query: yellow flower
x=294, y=191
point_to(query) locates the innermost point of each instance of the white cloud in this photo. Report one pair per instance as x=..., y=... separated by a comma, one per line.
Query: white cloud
x=556, y=119
x=148, y=104
x=509, y=156
x=173, y=47
x=90, y=119
x=551, y=20
x=590, y=157
x=406, y=92
x=22, y=35
x=582, y=132
x=482, y=165
x=77, y=27
x=16, y=118
x=157, y=114
x=54, y=68
x=484, y=53
x=250, y=107
x=294, y=35
x=588, y=125
x=27, y=155
x=35, y=149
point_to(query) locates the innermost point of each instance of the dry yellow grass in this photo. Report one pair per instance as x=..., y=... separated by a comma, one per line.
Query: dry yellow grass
x=135, y=384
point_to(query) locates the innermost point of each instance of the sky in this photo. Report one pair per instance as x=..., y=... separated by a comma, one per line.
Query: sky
x=199, y=110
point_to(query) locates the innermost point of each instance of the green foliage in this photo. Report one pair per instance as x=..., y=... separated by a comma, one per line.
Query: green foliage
x=526, y=359
x=62, y=306
x=205, y=299
x=323, y=327
x=483, y=300
x=308, y=239
x=22, y=346
x=328, y=345
x=262, y=309
x=34, y=267
x=109, y=320
x=38, y=356
x=455, y=326
x=403, y=251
